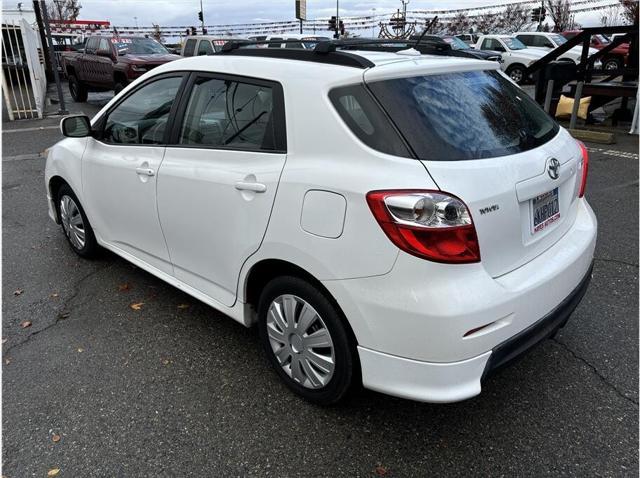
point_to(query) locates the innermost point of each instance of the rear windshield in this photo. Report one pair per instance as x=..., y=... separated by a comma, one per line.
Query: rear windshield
x=461, y=116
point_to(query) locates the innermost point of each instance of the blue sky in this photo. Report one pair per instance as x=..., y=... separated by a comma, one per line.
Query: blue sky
x=184, y=12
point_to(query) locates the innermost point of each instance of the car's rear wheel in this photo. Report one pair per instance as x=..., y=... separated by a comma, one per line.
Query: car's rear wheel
x=75, y=224
x=78, y=90
x=304, y=336
x=516, y=73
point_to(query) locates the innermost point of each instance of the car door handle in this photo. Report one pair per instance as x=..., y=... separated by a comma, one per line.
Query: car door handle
x=145, y=171
x=247, y=186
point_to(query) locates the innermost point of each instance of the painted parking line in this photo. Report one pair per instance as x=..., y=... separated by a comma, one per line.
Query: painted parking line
x=23, y=157
x=615, y=153
x=26, y=130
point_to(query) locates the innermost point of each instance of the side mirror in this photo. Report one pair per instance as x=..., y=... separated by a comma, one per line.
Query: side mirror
x=77, y=126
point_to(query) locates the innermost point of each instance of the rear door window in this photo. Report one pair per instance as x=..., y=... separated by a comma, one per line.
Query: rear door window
x=463, y=116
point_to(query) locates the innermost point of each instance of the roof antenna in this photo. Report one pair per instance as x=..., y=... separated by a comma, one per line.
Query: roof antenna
x=426, y=29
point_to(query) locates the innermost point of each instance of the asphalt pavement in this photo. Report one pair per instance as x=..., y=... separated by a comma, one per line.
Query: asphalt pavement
x=95, y=388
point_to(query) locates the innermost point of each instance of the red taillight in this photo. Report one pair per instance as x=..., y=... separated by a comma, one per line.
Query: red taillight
x=585, y=168
x=428, y=224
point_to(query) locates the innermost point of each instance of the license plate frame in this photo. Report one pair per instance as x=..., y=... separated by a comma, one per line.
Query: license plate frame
x=545, y=210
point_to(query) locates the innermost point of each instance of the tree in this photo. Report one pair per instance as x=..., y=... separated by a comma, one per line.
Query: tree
x=630, y=11
x=560, y=13
x=459, y=24
x=512, y=19
x=487, y=22
x=63, y=9
x=611, y=16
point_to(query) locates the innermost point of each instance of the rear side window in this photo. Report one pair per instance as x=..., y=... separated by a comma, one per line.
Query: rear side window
x=189, y=47
x=461, y=116
x=367, y=121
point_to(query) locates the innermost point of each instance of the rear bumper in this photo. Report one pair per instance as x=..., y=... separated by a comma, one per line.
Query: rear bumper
x=452, y=382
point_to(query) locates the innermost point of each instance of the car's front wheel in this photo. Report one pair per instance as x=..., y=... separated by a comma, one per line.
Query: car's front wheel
x=612, y=64
x=516, y=73
x=306, y=340
x=75, y=224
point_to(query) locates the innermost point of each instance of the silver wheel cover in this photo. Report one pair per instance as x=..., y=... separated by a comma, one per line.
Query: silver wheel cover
x=72, y=222
x=300, y=341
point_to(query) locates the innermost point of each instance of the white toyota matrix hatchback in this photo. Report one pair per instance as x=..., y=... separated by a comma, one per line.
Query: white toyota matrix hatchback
x=411, y=223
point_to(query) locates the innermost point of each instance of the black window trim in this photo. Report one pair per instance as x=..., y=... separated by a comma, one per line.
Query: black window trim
x=279, y=115
x=98, y=129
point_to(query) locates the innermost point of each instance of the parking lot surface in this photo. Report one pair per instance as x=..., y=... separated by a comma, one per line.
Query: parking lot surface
x=95, y=387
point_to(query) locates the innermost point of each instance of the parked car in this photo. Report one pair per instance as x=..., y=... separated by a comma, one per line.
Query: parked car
x=202, y=45
x=615, y=59
x=289, y=40
x=458, y=45
x=469, y=38
x=547, y=42
x=111, y=63
x=516, y=57
x=425, y=228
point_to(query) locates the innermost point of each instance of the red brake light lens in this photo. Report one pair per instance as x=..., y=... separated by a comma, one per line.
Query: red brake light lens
x=428, y=224
x=585, y=168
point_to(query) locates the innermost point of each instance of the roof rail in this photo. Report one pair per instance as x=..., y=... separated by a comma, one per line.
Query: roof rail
x=426, y=46
x=250, y=48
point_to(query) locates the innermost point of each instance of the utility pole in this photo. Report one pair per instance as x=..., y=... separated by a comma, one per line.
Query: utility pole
x=541, y=15
x=54, y=59
x=202, y=17
x=336, y=35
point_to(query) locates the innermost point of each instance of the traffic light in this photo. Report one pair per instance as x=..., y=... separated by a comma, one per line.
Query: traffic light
x=193, y=31
x=188, y=32
x=332, y=23
x=341, y=25
x=538, y=14
x=200, y=17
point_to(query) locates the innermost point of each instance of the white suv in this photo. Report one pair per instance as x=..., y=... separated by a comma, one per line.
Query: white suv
x=547, y=42
x=410, y=222
x=516, y=57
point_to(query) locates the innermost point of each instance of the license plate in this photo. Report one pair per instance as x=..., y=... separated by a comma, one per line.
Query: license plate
x=545, y=210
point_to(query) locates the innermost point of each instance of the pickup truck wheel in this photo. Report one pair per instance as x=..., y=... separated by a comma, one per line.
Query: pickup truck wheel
x=77, y=89
x=516, y=73
x=120, y=85
x=612, y=64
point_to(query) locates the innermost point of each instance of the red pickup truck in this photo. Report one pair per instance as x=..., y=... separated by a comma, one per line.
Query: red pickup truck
x=111, y=63
x=614, y=60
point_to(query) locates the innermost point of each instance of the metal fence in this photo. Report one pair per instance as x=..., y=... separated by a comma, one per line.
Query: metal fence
x=24, y=83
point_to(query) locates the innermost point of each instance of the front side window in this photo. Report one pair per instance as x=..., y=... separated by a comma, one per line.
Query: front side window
x=528, y=40
x=514, y=43
x=230, y=114
x=142, y=117
x=464, y=116
x=190, y=47
x=205, y=48
x=92, y=45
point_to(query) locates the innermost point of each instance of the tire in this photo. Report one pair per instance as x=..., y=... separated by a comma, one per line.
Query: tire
x=77, y=89
x=612, y=64
x=119, y=86
x=516, y=73
x=302, y=365
x=74, y=222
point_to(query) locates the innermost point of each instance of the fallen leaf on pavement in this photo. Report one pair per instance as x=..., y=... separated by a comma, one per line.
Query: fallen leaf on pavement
x=18, y=292
x=55, y=438
x=382, y=470
x=64, y=315
x=183, y=306
x=25, y=323
x=124, y=287
x=166, y=362
x=4, y=340
x=80, y=349
x=54, y=295
x=137, y=306
x=53, y=472
x=7, y=361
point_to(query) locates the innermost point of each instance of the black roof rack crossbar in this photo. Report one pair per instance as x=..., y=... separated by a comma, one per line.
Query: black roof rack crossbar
x=250, y=48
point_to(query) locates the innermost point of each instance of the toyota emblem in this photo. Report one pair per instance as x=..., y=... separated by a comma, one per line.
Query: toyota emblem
x=554, y=168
